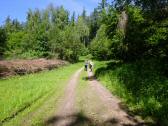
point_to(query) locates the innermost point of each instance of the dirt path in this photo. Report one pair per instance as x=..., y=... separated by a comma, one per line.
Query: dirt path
x=66, y=111
x=111, y=112
x=98, y=107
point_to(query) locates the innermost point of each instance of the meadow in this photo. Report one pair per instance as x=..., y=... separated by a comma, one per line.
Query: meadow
x=21, y=92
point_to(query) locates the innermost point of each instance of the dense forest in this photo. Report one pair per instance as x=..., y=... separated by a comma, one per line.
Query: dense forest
x=127, y=30
x=133, y=33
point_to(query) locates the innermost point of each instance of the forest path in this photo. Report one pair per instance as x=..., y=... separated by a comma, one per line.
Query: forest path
x=65, y=114
x=93, y=105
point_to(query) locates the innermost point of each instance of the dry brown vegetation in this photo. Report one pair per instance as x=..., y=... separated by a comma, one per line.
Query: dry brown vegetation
x=21, y=67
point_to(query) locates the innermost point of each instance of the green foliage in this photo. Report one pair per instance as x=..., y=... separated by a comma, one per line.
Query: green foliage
x=15, y=43
x=37, y=32
x=73, y=19
x=102, y=5
x=93, y=23
x=139, y=85
x=73, y=44
x=2, y=42
x=154, y=9
x=111, y=21
x=157, y=39
x=59, y=16
x=118, y=48
x=85, y=51
x=134, y=36
x=66, y=44
x=56, y=38
x=100, y=45
x=12, y=25
x=83, y=30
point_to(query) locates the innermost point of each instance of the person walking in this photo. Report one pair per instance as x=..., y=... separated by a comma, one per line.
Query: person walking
x=91, y=64
x=86, y=65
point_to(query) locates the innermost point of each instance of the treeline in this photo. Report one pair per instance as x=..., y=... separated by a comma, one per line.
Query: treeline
x=120, y=29
x=46, y=33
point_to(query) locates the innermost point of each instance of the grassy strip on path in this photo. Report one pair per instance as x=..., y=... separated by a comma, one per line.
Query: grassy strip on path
x=88, y=103
x=83, y=101
x=21, y=92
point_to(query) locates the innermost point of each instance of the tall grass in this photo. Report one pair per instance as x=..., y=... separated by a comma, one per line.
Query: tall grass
x=140, y=84
x=18, y=93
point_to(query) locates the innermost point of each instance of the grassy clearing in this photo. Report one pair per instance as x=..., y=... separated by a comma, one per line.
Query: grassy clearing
x=21, y=92
x=140, y=85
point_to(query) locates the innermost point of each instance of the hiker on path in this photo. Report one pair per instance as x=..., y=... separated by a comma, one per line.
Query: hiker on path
x=86, y=65
x=91, y=64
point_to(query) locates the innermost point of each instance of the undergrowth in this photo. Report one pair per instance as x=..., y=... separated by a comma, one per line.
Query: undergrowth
x=141, y=85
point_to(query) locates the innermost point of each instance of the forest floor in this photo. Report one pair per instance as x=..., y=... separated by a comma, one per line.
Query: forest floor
x=85, y=102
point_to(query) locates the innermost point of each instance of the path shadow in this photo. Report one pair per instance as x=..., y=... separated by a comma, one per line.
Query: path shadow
x=132, y=117
x=89, y=78
x=79, y=119
x=110, y=122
